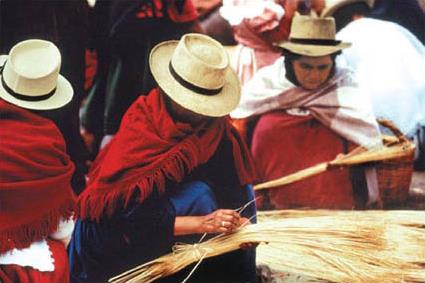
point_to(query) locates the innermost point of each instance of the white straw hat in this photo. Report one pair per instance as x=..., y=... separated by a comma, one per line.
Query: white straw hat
x=30, y=76
x=195, y=73
x=313, y=36
x=331, y=6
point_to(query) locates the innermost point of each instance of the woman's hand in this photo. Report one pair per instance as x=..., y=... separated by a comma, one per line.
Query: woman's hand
x=221, y=221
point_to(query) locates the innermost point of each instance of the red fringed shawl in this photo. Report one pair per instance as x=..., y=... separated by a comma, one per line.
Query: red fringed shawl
x=35, y=175
x=148, y=149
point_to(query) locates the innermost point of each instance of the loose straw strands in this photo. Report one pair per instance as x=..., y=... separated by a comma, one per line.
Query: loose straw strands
x=341, y=247
x=402, y=240
x=357, y=156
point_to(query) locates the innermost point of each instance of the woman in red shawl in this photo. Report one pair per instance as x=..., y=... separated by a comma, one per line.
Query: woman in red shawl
x=36, y=199
x=175, y=170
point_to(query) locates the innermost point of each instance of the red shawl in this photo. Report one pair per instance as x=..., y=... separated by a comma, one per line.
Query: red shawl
x=35, y=175
x=148, y=149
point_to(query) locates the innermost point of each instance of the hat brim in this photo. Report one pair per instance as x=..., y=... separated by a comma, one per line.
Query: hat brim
x=61, y=97
x=216, y=105
x=313, y=50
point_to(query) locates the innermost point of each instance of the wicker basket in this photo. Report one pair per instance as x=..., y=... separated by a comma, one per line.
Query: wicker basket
x=395, y=175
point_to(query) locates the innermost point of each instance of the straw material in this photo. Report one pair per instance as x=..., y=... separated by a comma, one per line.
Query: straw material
x=362, y=246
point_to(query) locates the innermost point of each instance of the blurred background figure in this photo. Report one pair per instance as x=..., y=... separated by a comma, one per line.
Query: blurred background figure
x=65, y=24
x=389, y=64
x=255, y=24
x=213, y=23
x=124, y=33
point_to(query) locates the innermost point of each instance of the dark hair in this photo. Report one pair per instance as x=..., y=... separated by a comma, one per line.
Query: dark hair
x=290, y=57
x=344, y=15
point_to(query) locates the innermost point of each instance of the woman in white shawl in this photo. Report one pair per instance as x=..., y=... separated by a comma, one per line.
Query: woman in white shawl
x=310, y=112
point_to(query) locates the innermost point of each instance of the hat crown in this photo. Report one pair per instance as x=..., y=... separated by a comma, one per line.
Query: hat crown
x=306, y=27
x=201, y=61
x=32, y=67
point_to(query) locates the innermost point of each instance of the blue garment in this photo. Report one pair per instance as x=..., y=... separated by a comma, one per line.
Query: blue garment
x=144, y=231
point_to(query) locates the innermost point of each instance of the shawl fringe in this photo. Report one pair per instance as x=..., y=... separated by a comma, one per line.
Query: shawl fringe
x=24, y=235
x=174, y=168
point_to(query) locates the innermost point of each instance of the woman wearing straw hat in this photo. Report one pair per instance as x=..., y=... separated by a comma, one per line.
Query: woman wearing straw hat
x=36, y=199
x=310, y=112
x=175, y=170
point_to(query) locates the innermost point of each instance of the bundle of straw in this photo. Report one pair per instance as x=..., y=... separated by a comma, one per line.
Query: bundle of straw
x=362, y=246
x=401, y=235
x=393, y=148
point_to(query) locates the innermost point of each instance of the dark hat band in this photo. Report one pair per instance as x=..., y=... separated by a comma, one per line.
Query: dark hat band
x=192, y=87
x=26, y=97
x=327, y=42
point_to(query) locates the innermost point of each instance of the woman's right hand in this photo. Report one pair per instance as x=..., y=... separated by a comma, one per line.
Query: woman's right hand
x=220, y=221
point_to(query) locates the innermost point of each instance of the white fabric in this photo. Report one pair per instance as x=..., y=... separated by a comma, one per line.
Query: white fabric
x=64, y=231
x=389, y=65
x=339, y=101
x=234, y=11
x=38, y=254
x=298, y=112
x=372, y=185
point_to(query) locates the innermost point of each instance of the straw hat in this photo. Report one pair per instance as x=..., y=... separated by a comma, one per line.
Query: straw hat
x=331, y=6
x=195, y=73
x=313, y=36
x=30, y=76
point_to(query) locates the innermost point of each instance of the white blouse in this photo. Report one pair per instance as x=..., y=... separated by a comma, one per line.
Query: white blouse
x=38, y=255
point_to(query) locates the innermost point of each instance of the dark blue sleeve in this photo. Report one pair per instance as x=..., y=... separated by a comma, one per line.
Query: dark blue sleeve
x=133, y=236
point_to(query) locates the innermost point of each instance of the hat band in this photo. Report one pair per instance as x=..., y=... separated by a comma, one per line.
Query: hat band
x=328, y=42
x=26, y=97
x=192, y=87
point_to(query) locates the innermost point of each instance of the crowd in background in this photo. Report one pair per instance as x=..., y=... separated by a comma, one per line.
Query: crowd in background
x=312, y=75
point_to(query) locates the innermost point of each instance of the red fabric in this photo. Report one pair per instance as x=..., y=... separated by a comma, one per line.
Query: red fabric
x=12, y=273
x=35, y=177
x=284, y=144
x=150, y=148
x=187, y=13
x=246, y=33
x=281, y=33
x=90, y=68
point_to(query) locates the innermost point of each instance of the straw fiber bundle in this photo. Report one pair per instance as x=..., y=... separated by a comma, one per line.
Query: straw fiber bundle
x=401, y=235
x=362, y=246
